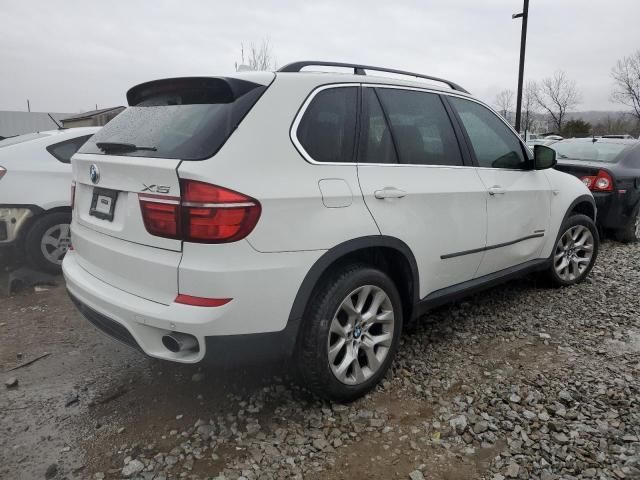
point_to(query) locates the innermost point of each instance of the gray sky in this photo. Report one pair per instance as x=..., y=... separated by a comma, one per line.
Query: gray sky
x=67, y=56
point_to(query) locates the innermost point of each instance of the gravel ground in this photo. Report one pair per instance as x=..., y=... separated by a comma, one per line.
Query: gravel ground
x=520, y=382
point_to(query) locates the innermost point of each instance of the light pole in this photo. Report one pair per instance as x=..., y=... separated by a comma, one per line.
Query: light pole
x=523, y=41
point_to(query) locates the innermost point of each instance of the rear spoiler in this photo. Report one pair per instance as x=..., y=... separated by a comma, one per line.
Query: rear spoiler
x=200, y=89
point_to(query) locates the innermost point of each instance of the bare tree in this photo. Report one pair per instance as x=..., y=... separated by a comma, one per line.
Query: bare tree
x=626, y=75
x=529, y=106
x=557, y=95
x=504, y=103
x=257, y=57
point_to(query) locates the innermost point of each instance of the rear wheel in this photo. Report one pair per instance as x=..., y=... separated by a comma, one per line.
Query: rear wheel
x=47, y=241
x=351, y=333
x=575, y=251
x=631, y=231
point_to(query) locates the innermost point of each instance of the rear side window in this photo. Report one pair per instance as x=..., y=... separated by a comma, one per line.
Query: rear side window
x=377, y=144
x=63, y=151
x=186, y=119
x=494, y=144
x=328, y=127
x=421, y=129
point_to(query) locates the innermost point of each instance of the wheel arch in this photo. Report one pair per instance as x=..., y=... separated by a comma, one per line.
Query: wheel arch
x=39, y=213
x=390, y=254
x=584, y=204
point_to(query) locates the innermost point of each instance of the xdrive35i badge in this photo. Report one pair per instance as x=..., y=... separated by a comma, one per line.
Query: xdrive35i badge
x=94, y=174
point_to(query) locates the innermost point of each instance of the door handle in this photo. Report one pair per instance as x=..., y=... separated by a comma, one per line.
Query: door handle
x=389, y=192
x=497, y=190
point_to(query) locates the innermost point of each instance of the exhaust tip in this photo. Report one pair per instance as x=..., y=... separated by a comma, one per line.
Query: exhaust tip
x=180, y=342
x=170, y=343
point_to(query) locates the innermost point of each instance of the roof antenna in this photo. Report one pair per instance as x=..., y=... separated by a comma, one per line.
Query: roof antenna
x=60, y=127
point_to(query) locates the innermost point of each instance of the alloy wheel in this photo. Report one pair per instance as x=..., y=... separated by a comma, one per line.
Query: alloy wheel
x=360, y=335
x=573, y=252
x=55, y=243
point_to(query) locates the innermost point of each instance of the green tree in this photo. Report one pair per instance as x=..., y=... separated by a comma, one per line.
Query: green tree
x=576, y=128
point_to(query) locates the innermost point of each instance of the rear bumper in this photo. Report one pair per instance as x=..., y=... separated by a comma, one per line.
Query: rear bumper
x=13, y=219
x=221, y=331
x=145, y=321
x=614, y=209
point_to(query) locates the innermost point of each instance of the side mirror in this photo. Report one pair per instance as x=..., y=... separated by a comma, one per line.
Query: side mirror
x=543, y=157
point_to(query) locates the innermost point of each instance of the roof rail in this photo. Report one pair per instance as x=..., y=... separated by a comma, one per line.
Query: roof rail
x=360, y=70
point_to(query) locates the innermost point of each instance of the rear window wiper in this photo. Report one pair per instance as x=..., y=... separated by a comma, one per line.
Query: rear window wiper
x=121, y=147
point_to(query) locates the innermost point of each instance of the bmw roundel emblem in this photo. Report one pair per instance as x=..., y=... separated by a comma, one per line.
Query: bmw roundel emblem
x=94, y=174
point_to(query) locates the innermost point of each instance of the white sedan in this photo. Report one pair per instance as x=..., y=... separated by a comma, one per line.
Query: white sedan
x=35, y=182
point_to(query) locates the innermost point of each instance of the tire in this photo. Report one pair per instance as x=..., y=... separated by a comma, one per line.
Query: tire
x=47, y=241
x=631, y=231
x=352, y=339
x=575, y=251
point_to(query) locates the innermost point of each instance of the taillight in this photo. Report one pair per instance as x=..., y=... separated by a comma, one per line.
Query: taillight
x=212, y=214
x=161, y=215
x=2, y=171
x=204, y=213
x=599, y=183
x=72, y=201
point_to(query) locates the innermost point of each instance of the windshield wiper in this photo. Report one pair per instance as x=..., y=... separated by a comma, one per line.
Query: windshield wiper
x=122, y=147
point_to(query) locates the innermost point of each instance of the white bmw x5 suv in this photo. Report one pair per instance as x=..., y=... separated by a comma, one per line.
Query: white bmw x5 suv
x=310, y=216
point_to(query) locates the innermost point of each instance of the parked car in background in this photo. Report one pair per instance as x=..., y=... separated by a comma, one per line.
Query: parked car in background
x=542, y=141
x=610, y=168
x=35, y=183
x=309, y=215
x=625, y=136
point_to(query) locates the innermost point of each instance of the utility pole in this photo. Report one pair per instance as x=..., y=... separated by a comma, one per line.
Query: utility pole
x=523, y=42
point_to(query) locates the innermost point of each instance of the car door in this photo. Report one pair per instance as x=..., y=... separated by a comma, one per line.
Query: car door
x=417, y=186
x=518, y=197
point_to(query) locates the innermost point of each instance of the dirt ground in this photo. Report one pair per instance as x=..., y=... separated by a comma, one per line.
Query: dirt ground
x=70, y=404
x=90, y=395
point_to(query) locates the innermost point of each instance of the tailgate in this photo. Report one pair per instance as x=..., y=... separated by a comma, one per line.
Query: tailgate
x=124, y=178
x=117, y=248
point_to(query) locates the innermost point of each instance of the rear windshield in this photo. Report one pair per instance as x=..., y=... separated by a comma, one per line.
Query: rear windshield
x=186, y=119
x=589, y=151
x=20, y=139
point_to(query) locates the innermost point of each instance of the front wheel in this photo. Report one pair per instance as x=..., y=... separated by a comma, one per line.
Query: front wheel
x=350, y=334
x=575, y=251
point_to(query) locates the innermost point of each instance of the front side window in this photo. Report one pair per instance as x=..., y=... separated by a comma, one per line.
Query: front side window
x=494, y=144
x=420, y=126
x=63, y=151
x=328, y=127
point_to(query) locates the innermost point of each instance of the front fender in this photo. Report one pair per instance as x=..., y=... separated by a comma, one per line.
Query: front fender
x=567, y=192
